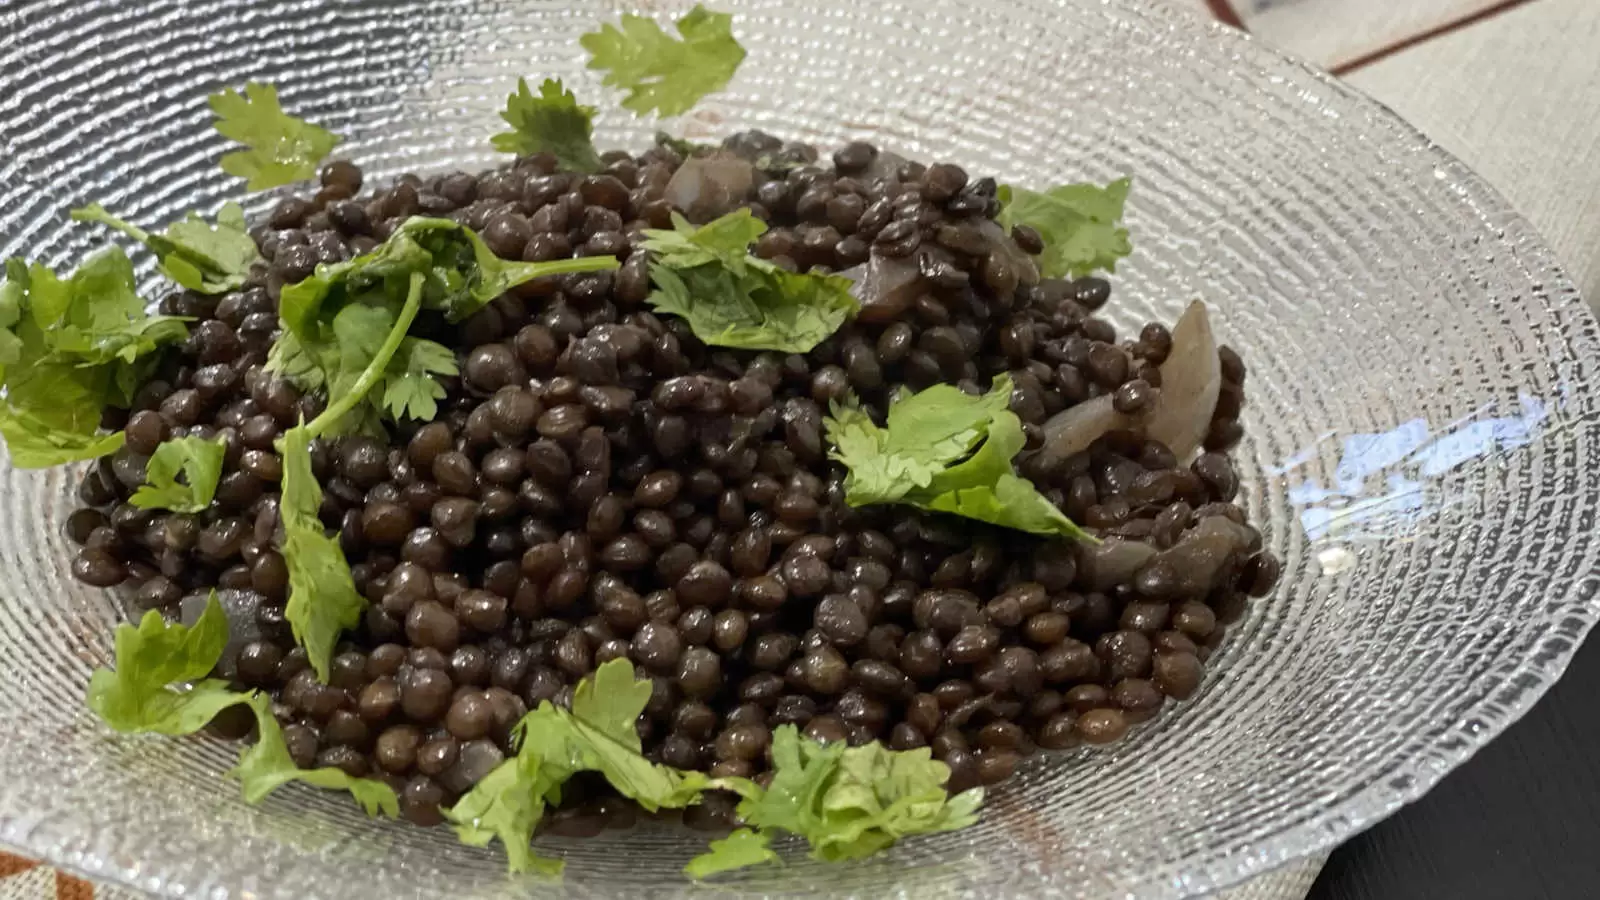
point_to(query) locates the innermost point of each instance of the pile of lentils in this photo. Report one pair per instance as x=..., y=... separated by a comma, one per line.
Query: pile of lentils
x=600, y=484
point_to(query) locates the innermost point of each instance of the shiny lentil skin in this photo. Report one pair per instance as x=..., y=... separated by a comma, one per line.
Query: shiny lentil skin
x=599, y=484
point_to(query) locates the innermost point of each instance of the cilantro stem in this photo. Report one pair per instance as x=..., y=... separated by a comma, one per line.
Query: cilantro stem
x=94, y=212
x=576, y=264
x=373, y=373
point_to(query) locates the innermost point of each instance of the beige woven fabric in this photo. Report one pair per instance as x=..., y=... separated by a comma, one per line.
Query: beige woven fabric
x=1334, y=33
x=1515, y=95
x=21, y=879
x=1517, y=98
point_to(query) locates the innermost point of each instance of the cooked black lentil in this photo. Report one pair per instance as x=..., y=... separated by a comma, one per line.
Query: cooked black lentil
x=599, y=485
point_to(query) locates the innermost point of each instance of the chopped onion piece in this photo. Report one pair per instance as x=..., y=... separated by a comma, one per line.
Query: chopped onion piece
x=708, y=186
x=1200, y=555
x=1112, y=561
x=887, y=288
x=1027, y=269
x=1191, y=380
x=1073, y=429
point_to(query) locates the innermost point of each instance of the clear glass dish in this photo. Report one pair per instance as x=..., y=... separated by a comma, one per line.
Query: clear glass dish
x=1421, y=447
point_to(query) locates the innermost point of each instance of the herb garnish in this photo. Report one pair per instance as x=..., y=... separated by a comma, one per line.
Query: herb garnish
x=943, y=450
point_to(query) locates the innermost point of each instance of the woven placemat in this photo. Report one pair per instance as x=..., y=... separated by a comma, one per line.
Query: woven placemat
x=22, y=879
x=1345, y=34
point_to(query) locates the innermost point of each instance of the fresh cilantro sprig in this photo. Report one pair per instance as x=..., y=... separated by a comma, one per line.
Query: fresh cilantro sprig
x=944, y=451
x=924, y=434
x=323, y=600
x=740, y=849
x=335, y=320
x=201, y=257
x=847, y=802
x=553, y=122
x=138, y=695
x=1080, y=224
x=349, y=323
x=411, y=388
x=662, y=73
x=35, y=443
x=597, y=735
x=160, y=686
x=282, y=149
x=200, y=463
x=707, y=277
x=267, y=766
x=69, y=348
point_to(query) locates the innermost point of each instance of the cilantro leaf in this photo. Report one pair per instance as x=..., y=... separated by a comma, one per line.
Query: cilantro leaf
x=198, y=459
x=209, y=259
x=70, y=347
x=553, y=122
x=94, y=317
x=599, y=734
x=725, y=240
x=604, y=711
x=411, y=388
x=1079, y=224
x=745, y=847
x=878, y=796
x=288, y=358
x=466, y=274
x=609, y=704
x=34, y=444
x=323, y=600
x=138, y=695
x=461, y=275
x=847, y=802
x=985, y=488
x=944, y=451
x=507, y=805
x=659, y=72
x=282, y=149
x=925, y=433
x=307, y=308
x=707, y=277
x=361, y=331
x=267, y=766
x=334, y=321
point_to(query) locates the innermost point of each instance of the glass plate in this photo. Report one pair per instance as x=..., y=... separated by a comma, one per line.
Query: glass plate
x=1421, y=447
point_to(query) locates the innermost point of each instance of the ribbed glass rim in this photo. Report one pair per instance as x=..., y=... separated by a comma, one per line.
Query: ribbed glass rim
x=1422, y=763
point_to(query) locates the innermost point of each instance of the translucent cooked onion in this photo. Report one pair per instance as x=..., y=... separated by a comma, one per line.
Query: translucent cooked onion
x=1112, y=561
x=885, y=287
x=1024, y=265
x=1192, y=565
x=708, y=186
x=1191, y=379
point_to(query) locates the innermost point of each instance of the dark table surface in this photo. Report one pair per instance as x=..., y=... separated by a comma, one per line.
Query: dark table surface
x=1519, y=821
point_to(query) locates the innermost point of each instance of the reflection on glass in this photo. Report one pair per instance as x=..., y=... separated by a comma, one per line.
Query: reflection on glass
x=1382, y=483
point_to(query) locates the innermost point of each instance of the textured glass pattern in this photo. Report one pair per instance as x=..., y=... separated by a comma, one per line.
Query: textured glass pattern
x=1421, y=451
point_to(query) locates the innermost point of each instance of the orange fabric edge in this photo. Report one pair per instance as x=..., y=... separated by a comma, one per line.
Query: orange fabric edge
x=14, y=865
x=70, y=888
